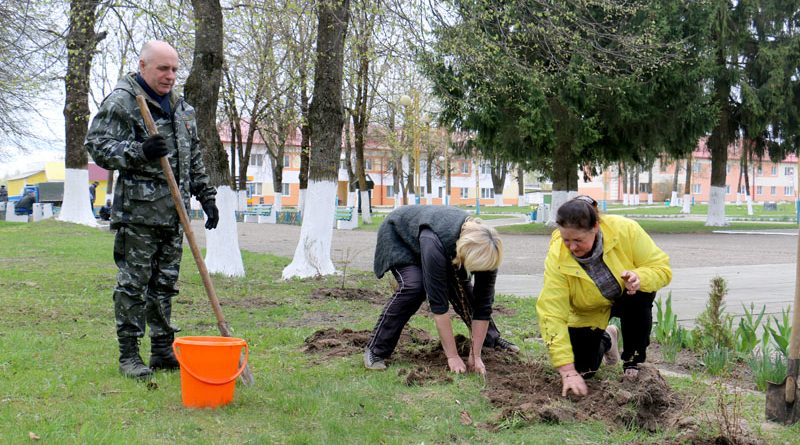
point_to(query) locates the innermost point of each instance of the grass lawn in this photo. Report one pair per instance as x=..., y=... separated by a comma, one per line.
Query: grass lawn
x=60, y=380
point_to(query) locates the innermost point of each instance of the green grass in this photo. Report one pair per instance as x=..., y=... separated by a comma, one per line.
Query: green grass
x=785, y=210
x=658, y=226
x=59, y=361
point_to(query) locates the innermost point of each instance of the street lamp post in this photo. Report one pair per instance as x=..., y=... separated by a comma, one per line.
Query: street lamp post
x=411, y=120
x=446, y=160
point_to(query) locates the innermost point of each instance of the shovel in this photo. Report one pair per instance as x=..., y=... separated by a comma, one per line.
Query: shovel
x=246, y=376
x=783, y=399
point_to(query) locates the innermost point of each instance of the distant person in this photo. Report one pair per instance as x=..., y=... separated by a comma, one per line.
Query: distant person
x=92, y=194
x=105, y=211
x=435, y=251
x=149, y=240
x=598, y=268
x=3, y=193
x=25, y=205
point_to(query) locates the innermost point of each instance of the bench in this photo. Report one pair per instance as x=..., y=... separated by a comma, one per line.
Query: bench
x=346, y=219
x=260, y=214
x=42, y=211
x=291, y=217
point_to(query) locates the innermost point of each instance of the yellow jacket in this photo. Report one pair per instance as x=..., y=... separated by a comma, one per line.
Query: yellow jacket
x=570, y=298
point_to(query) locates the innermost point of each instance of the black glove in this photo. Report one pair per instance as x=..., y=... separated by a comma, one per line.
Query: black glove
x=154, y=147
x=210, y=207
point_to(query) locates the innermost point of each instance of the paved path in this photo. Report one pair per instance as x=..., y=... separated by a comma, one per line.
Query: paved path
x=758, y=268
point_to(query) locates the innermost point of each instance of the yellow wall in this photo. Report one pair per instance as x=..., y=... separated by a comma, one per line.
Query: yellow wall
x=15, y=186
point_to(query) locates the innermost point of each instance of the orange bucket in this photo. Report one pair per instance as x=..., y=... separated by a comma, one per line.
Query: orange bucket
x=209, y=368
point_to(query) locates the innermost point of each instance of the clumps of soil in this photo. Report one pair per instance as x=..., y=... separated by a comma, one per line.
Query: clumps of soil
x=349, y=293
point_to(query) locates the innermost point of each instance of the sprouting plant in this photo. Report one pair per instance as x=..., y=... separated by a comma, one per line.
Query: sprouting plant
x=782, y=331
x=714, y=325
x=666, y=321
x=716, y=360
x=671, y=346
x=746, y=334
x=767, y=367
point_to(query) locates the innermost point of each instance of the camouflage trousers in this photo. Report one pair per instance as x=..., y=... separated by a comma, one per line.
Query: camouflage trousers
x=149, y=260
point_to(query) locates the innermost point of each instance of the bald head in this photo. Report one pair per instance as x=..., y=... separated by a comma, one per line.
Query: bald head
x=158, y=65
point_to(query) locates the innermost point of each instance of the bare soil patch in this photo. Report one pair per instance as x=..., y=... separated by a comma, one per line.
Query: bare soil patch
x=524, y=390
x=352, y=294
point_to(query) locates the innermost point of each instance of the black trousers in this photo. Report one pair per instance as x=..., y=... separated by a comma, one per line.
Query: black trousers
x=406, y=301
x=635, y=313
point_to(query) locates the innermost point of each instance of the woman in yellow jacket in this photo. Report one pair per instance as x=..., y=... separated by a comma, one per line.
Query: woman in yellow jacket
x=595, y=269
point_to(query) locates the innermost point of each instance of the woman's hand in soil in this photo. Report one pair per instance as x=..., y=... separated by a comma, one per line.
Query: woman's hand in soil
x=571, y=380
x=456, y=365
x=475, y=364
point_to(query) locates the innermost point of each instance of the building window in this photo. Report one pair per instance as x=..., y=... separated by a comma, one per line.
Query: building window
x=486, y=168
x=644, y=187
x=464, y=193
x=256, y=160
x=788, y=171
x=367, y=164
x=464, y=167
x=696, y=167
x=487, y=193
x=774, y=171
x=759, y=190
x=389, y=191
x=285, y=189
x=442, y=191
x=727, y=168
x=759, y=171
x=287, y=161
x=662, y=166
x=255, y=189
x=696, y=189
x=772, y=190
x=788, y=190
x=727, y=189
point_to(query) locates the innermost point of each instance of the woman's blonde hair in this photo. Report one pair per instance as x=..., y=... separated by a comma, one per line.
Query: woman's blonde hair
x=479, y=247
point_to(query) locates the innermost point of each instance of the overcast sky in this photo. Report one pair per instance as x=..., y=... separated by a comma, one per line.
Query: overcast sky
x=48, y=145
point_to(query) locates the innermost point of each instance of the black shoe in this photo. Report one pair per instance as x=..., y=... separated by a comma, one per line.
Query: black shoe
x=506, y=345
x=161, y=355
x=130, y=362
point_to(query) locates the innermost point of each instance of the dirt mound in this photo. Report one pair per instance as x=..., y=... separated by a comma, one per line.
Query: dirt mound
x=349, y=293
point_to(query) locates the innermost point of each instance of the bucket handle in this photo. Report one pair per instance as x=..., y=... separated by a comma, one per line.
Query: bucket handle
x=242, y=366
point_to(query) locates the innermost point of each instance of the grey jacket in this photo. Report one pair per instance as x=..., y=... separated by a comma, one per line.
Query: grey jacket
x=115, y=139
x=398, y=237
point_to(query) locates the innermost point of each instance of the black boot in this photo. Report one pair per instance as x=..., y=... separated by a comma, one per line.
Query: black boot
x=161, y=355
x=130, y=362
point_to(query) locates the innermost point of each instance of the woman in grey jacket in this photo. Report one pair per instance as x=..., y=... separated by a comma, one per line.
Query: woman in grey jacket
x=433, y=251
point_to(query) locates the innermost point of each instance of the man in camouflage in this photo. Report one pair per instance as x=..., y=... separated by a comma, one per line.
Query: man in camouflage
x=148, y=244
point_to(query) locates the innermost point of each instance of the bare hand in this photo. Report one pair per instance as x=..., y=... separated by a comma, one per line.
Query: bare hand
x=476, y=365
x=573, y=382
x=456, y=365
x=631, y=280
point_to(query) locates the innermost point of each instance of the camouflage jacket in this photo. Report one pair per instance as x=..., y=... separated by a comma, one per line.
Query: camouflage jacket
x=115, y=139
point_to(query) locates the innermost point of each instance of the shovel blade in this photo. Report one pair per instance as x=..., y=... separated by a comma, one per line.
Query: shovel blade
x=777, y=409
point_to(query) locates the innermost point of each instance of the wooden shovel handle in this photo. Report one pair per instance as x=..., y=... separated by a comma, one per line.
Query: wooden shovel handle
x=247, y=376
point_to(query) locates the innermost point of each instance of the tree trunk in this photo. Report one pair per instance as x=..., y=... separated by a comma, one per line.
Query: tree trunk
x=674, y=195
x=499, y=172
x=687, y=187
x=202, y=91
x=81, y=44
x=312, y=256
x=520, y=186
x=650, y=184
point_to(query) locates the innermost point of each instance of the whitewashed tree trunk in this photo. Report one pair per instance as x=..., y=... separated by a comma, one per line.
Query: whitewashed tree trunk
x=498, y=200
x=398, y=200
x=222, y=244
x=277, y=203
x=687, y=204
x=521, y=200
x=625, y=199
x=650, y=199
x=312, y=257
x=429, y=199
x=366, y=215
x=412, y=199
x=559, y=197
x=749, y=205
x=738, y=199
x=75, y=207
x=673, y=199
x=716, y=208
x=241, y=203
x=301, y=203
x=636, y=199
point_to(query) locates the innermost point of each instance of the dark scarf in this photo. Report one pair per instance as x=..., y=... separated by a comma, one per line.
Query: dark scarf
x=163, y=101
